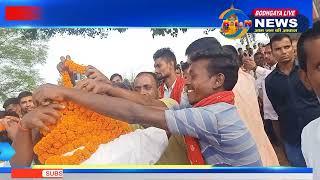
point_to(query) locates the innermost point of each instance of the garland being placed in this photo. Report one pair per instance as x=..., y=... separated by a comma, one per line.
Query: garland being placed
x=80, y=131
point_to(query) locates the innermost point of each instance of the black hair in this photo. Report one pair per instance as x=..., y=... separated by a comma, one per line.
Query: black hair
x=10, y=101
x=312, y=33
x=115, y=75
x=153, y=75
x=123, y=85
x=222, y=62
x=233, y=51
x=167, y=54
x=185, y=66
x=5, y=113
x=258, y=53
x=279, y=37
x=239, y=49
x=268, y=44
x=24, y=94
x=2, y=114
x=203, y=44
x=178, y=67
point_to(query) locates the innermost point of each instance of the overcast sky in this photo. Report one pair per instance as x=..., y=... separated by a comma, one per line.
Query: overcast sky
x=124, y=53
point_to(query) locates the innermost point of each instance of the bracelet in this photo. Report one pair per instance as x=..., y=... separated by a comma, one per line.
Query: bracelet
x=20, y=127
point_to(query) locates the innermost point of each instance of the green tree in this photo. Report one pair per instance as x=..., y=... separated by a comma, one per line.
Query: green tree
x=18, y=59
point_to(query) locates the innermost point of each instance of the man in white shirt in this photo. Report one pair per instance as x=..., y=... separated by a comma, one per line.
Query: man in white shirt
x=309, y=61
x=260, y=74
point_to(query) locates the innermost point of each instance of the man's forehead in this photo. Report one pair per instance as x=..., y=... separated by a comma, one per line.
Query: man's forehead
x=26, y=98
x=161, y=59
x=144, y=79
x=310, y=45
x=284, y=41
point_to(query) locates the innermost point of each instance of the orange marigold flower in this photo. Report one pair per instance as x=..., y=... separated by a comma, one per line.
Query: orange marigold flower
x=77, y=127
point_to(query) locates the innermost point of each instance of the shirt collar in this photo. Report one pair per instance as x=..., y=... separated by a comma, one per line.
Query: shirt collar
x=295, y=67
x=169, y=89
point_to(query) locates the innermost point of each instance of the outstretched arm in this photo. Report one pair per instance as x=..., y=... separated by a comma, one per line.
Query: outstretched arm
x=110, y=106
x=100, y=87
x=23, y=143
x=23, y=146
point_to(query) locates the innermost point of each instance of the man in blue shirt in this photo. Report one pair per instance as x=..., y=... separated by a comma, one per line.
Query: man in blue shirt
x=295, y=105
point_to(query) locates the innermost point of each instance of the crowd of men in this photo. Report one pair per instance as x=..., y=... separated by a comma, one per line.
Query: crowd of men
x=221, y=107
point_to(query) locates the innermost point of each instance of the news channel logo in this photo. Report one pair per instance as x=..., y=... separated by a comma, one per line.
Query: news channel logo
x=235, y=23
x=6, y=151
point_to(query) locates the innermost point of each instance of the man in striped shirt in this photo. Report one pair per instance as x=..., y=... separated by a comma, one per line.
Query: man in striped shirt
x=213, y=120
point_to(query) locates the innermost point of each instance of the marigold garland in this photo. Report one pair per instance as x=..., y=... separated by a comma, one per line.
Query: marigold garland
x=79, y=130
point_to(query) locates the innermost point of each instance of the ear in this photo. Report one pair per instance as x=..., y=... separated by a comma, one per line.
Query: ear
x=217, y=81
x=304, y=78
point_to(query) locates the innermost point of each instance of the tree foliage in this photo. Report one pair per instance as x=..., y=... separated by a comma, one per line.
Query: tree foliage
x=18, y=59
x=47, y=33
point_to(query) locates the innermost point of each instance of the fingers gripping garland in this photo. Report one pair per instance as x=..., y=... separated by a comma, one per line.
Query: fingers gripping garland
x=80, y=131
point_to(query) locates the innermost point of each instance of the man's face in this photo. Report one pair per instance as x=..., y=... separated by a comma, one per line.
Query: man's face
x=117, y=79
x=26, y=104
x=312, y=77
x=198, y=81
x=146, y=85
x=14, y=108
x=162, y=68
x=283, y=51
x=269, y=59
x=259, y=59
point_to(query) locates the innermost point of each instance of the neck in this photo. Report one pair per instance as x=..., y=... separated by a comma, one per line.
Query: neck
x=272, y=64
x=286, y=67
x=170, y=80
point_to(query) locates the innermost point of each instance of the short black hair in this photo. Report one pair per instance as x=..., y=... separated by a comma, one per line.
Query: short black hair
x=24, y=94
x=185, y=66
x=10, y=101
x=203, y=44
x=279, y=37
x=222, y=62
x=268, y=44
x=122, y=85
x=258, y=53
x=5, y=113
x=153, y=75
x=233, y=51
x=167, y=54
x=115, y=75
x=312, y=33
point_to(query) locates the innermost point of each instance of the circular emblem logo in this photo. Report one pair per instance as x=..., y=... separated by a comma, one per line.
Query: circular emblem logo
x=235, y=24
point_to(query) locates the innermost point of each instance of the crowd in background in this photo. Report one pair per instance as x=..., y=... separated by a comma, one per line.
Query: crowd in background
x=273, y=87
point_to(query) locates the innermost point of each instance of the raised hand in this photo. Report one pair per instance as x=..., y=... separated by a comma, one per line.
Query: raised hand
x=41, y=117
x=95, y=86
x=61, y=67
x=48, y=93
x=248, y=63
x=11, y=125
x=94, y=73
